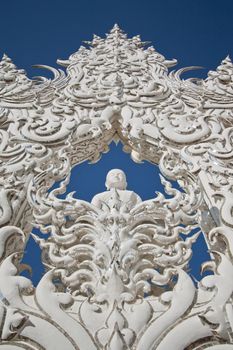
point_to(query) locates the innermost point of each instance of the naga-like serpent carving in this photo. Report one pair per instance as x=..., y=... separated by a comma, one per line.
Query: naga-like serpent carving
x=116, y=268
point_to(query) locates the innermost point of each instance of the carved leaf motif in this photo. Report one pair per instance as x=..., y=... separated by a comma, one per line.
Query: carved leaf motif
x=116, y=274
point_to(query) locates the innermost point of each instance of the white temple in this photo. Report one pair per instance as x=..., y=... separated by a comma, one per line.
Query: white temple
x=116, y=268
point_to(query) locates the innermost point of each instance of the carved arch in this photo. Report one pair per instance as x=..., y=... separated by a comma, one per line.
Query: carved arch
x=116, y=89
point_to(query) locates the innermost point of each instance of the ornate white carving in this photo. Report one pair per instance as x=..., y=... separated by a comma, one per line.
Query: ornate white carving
x=116, y=268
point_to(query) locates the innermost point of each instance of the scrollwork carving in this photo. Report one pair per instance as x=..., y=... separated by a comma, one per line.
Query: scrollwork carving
x=116, y=268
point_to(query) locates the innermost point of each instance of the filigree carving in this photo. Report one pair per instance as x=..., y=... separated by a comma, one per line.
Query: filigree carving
x=116, y=268
x=118, y=240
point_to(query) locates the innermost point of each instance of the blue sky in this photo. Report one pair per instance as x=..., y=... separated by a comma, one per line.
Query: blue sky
x=196, y=32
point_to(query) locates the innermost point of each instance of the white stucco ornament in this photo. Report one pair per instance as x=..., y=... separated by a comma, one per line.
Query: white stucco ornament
x=117, y=273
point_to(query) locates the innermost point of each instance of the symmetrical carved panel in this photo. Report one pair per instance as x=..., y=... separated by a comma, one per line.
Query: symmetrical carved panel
x=117, y=273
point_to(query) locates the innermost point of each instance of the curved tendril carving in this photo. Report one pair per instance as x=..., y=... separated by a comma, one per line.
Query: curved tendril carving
x=116, y=268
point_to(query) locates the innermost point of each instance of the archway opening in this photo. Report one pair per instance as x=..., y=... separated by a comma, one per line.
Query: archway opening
x=88, y=180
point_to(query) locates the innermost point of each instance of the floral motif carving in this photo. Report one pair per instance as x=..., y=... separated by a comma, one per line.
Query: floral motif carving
x=116, y=268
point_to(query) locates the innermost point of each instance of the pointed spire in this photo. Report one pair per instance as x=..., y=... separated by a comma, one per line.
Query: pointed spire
x=226, y=61
x=116, y=29
x=7, y=65
x=116, y=35
x=12, y=79
x=7, y=62
x=8, y=69
x=111, y=61
x=223, y=73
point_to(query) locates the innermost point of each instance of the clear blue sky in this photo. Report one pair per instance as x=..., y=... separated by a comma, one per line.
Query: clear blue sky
x=196, y=32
